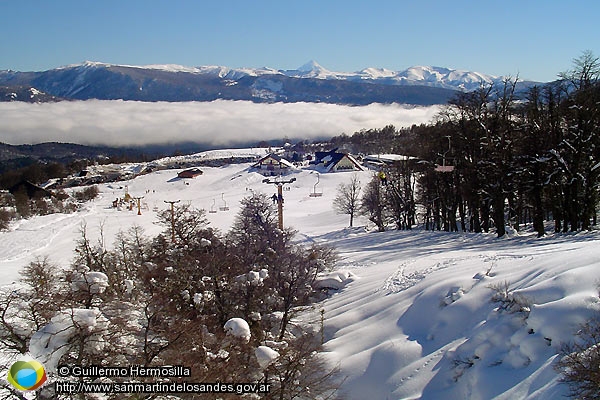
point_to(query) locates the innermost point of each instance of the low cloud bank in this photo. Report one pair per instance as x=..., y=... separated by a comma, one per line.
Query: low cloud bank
x=218, y=123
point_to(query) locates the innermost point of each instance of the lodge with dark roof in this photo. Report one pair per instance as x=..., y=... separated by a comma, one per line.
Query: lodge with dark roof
x=332, y=161
x=273, y=164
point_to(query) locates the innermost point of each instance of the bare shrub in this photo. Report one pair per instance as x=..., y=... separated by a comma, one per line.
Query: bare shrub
x=6, y=217
x=580, y=362
x=508, y=300
x=87, y=194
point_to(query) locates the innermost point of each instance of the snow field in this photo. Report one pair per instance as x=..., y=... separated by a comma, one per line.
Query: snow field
x=412, y=316
x=430, y=330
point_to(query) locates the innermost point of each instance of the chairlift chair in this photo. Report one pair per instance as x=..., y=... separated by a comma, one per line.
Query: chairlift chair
x=314, y=192
x=444, y=167
x=213, y=207
x=224, y=207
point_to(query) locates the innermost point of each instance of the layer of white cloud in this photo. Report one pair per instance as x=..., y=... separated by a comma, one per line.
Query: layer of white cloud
x=127, y=123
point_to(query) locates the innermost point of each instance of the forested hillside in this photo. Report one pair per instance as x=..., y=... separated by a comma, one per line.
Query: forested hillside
x=495, y=159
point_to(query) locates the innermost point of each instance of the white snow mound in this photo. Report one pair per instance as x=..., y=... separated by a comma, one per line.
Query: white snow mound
x=265, y=356
x=238, y=327
x=334, y=280
x=51, y=342
x=94, y=281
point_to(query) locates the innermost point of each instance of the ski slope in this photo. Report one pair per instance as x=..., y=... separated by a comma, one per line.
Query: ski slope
x=417, y=320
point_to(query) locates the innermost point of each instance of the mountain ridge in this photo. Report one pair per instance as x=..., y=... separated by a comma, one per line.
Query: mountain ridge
x=419, y=85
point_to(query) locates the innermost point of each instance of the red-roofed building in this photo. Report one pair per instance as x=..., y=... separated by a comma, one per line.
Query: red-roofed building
x=190, y=173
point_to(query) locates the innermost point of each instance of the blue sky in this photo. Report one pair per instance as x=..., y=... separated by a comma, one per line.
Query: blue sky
x=534, y=39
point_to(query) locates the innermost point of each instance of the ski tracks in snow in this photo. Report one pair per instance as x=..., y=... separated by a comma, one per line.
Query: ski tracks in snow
x=31, y=237
x=401, y=280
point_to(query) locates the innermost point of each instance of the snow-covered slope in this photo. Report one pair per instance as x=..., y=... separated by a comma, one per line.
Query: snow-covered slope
x=420, y=322
x=425, y=314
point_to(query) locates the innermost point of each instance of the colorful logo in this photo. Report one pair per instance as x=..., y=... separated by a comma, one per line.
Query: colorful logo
x=27, y=375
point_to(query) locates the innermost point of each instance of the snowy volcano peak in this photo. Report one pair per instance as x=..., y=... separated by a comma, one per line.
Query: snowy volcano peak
x=311, y=66
x=312, y=69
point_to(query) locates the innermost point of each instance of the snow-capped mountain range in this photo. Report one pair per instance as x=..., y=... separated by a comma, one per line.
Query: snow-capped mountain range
x=309, y=83
x=418, y=75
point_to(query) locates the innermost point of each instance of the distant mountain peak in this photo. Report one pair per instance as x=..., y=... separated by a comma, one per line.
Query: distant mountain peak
x=311, y=66
x=88, y=63
x=312, y=69
x=85, y=65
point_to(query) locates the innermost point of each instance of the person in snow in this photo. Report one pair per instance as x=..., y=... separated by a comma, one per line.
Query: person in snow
x=382, y=177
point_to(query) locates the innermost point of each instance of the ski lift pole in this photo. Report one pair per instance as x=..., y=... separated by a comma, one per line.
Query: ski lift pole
x=280, y=206
x=138, y=199
x=279, y=185
x=172, y=203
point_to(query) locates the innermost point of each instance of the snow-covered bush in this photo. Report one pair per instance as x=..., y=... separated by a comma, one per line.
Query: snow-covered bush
x=238, y=328
x=28, y=305
x=265, y=356
x=75, y=332
x=92, y=281
x=454, y=294
x=297, y=368
x=510, y=301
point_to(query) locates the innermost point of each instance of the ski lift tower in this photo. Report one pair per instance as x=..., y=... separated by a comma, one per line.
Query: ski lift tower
x=139, y=206
x=172, y=203
x=279, y=184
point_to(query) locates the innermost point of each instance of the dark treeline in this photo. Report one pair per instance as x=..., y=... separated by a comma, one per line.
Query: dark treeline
x=37, y=163
x=518, y=158
x=39, y=171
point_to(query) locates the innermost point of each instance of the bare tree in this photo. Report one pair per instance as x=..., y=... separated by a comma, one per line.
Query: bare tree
x=300, y=371
x=373, y=203
x=183, y=222
x=400, y=194
x=347, y=200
